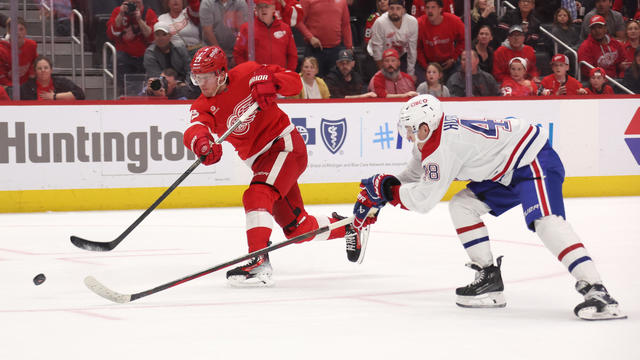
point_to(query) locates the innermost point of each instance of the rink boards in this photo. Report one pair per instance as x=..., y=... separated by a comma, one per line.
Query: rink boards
x=115, y=155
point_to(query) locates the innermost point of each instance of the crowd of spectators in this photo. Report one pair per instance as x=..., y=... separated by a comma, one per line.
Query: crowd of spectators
x=348, y=48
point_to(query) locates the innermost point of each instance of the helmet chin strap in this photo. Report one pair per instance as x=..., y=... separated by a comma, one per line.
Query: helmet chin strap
x=218, y=83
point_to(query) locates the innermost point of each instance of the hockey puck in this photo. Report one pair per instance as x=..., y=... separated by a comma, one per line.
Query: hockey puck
x=39, y=279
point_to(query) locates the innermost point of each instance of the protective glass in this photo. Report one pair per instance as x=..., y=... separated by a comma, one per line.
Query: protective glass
x=198, y=79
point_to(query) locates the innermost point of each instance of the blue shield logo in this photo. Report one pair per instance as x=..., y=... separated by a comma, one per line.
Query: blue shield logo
x=333, y=132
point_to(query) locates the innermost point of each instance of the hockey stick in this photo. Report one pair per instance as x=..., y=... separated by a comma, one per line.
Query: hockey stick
x=95, y=286
x=110, y=245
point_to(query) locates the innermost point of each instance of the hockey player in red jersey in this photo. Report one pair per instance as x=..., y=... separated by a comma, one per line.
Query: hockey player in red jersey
x=509, y=162
x=268, y=143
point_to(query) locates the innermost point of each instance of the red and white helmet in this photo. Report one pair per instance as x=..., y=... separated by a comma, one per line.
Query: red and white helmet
x=209, y=59
x=418, y=110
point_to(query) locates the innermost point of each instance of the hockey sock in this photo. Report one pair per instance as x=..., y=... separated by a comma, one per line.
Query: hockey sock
x=465, y=210
x=258, y=202
x=558, y=236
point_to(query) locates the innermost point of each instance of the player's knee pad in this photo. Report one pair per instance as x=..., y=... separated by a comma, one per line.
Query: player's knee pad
x=259, y=197
x=556, y=233
x=465, y=208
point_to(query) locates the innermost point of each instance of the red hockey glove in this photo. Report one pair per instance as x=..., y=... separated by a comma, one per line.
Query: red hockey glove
x=263, y=87
x=361, y=210
x=209, y=152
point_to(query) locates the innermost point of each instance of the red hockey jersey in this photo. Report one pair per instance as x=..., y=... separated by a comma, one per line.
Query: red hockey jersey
x=273, y=44
x=216, y=114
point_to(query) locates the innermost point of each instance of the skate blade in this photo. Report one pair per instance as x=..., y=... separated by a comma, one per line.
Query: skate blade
x=488, y=300
x=611, y=312
x=252, y=282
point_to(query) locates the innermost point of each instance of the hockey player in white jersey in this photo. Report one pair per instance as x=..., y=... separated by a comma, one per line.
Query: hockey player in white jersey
x=509, y=162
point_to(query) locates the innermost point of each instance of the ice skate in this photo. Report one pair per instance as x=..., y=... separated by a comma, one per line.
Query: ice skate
x=256, y=273
x=486, y=290
x=597, y=304
x=355, y=241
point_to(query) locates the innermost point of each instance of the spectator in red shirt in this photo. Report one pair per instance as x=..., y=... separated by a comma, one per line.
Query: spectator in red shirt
x=273, y=39
x=326, y=27
x=514, y=47
x=517, y=84
x=390, y=81
x=598, y=82
x=601, y=50
x=131, y=29
x=440, y=39
x=27, y=53
x=559, y=83
x=3, y=94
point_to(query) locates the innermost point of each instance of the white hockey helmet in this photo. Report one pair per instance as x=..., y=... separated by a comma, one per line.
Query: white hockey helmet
x=420, y=109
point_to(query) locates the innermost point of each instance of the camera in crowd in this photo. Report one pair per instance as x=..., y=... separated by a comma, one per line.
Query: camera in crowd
x=158, y=83
x=131, y=7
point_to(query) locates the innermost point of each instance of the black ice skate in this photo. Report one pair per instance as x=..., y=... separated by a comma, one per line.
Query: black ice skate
x=257, y=273
x=486, y=290
x=355, y=241
x=597, y=304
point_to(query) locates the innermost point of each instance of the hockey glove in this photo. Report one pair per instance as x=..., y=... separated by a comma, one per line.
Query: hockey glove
x=361, y=210
x=263, y=87
x=209, y=152
x=378, y=187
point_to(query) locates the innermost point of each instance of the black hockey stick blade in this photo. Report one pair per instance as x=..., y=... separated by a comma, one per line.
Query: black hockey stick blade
x=101, y=290
x=110, y=245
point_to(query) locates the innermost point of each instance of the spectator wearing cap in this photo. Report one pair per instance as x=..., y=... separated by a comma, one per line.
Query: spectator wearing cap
x=524, y=17
x=440, y=39
x=131, y=32
x=184, y=24
x=397, y=30
x=390, y=81
x=517, y=84
x=601, y=50
x=613, y=20
x=220, y=21
x=514, y=47
x=343, y=82
x=164, y=54
x=273, y=39
x=598, y=82
x=482, y=83
x=326, y=27
x=560, y=83
x=27, y=53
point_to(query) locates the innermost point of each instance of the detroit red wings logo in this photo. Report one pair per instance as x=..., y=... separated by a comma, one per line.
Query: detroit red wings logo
x=238, y=110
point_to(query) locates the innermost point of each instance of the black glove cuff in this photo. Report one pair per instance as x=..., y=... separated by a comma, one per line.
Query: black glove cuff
x=387, y=183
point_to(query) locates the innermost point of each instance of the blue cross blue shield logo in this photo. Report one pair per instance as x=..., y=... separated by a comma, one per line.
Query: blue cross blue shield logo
x=333, y=132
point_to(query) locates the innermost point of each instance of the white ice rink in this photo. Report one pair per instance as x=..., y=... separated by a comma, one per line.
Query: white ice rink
x=399, y=304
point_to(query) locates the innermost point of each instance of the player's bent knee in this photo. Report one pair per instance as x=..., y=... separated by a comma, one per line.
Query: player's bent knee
x=548, y=222
x=259, y=196
x=465, y=204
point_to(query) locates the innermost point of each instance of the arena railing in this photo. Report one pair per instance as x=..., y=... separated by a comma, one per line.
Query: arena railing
x=614, y=82
x=557, y=42
x=105, y=71
x=75, y=41
x=48, y=8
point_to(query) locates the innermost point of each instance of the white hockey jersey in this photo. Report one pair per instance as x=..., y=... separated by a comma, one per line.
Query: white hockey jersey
x=385, y=35
x=467, y=149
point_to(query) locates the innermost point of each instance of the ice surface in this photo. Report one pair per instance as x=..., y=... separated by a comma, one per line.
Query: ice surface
x=398, y=304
